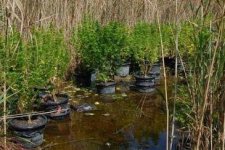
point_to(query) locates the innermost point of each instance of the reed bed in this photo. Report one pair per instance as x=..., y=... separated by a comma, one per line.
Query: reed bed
x=68, y=13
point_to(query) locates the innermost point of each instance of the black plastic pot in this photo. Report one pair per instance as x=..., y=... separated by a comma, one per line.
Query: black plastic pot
x=155, y=71
x=123, y=70
x=144, y=83
x=49, y=102
x=85, y=78
x=65, y=112
x=106, y=88
x=29, y=134
x=61, y=102
x=170, y=62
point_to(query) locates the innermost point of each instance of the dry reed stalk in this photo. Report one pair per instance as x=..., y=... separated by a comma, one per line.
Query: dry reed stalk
x=206, y=92
x=67, y=14
x=223, y=135
x=4, y=111
x=177, y=26
x=165, y=86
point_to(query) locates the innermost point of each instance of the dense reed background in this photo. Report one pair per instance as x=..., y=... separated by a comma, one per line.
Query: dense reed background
x=68, y=13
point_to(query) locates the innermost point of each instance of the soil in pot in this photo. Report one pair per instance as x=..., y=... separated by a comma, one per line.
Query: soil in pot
x=29, y=132
x=106, y=87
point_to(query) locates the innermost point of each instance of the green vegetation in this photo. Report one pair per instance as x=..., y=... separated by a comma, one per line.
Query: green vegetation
x=201, y=101
x=101, y=48
x=144, y=43
x=32, y=62
x=39, y=59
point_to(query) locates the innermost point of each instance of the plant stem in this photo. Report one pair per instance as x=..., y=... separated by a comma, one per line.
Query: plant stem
x=223, y=137
x=165, y=86
x=211, y=69
x=176, y=75
x=4, y=111
x=4, y=78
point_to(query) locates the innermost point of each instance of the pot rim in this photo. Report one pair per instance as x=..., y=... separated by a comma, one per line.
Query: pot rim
x=53, y=103
x=142, y=77
x=26, y=127
x=108, y=83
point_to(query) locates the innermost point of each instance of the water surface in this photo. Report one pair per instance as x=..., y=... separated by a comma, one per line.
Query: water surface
x=126, y=120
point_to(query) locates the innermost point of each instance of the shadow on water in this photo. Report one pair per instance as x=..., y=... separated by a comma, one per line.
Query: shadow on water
x=126, y=120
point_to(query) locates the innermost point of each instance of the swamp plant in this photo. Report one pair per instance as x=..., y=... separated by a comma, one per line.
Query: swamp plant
x=32, y=62
x=203, y=110
x=101, y=48
x=144, y=44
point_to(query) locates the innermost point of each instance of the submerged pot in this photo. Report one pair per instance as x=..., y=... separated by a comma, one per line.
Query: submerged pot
x=123, y=70
x=144, y=83
x=106, y=87
x=61, y=112
x=60, y=105
x=30, y=134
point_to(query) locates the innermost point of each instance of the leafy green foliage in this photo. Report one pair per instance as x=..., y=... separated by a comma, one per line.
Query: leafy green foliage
x=33, y=62
x=87, y=42
x=186, y=39
x=48, y=55
x=114, y=42
x=144, y=43
x=101, y=47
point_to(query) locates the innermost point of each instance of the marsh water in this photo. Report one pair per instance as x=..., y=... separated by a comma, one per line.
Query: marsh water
x=126, y=120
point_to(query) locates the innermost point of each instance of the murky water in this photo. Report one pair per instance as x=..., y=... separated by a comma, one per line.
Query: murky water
x=126, y=120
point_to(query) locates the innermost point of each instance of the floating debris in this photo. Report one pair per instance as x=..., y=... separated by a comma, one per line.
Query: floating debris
x=108, y=144
x=97, y=103
x=106, y=114
x=80, y=96
x=118, y=88
x=77, y=89
x=89, y=114
x=124, y=95
x=84, y=107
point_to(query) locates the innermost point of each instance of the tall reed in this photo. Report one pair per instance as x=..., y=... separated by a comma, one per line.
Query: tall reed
x=205, y=77
x=67, y=14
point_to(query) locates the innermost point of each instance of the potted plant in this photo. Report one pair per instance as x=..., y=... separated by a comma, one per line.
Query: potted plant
x=155, y=70
x=144, y=44
x=53, y=100
x=114, y=40
x=105, y=83
x=29, y=129
x=87, y=42
x=102, y=49
x=114, y=55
